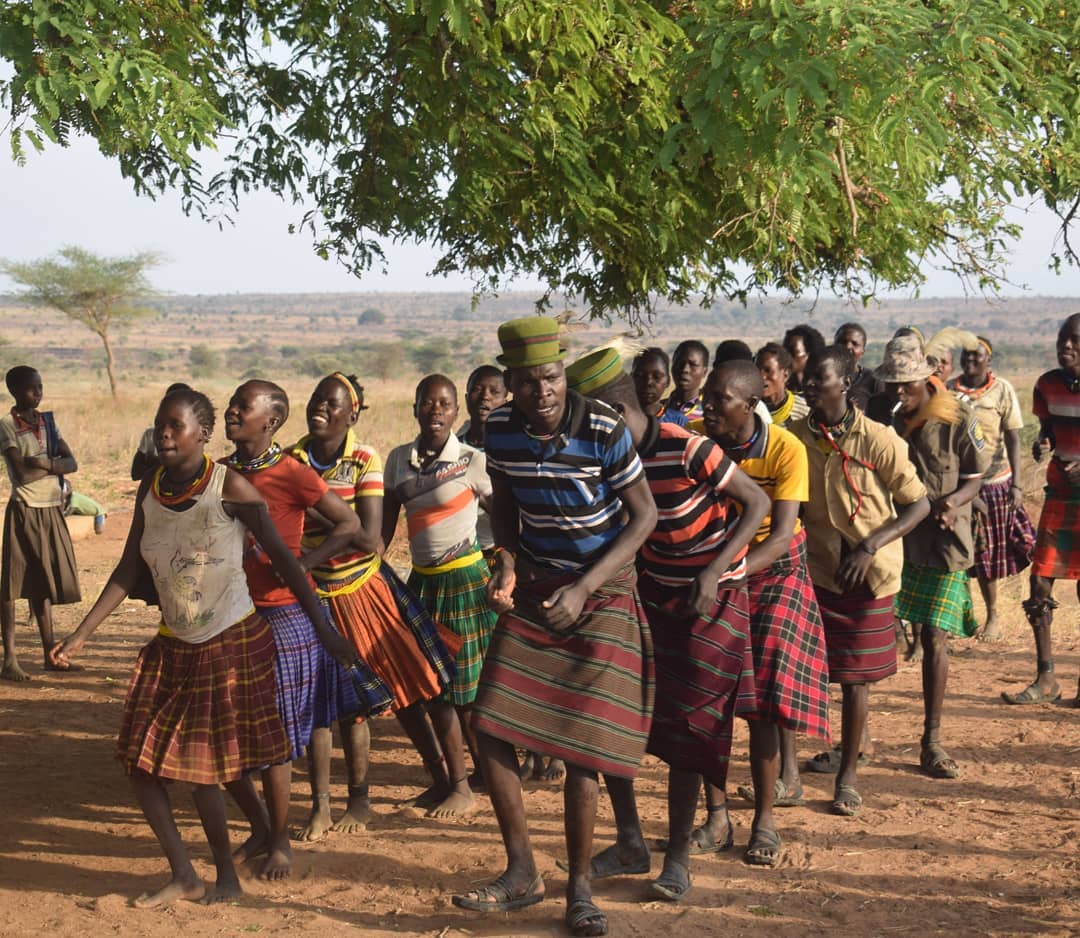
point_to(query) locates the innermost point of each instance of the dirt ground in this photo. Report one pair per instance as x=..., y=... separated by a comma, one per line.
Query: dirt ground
x=993, y=853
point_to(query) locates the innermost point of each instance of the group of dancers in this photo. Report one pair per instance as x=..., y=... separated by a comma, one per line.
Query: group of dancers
x=599, y=569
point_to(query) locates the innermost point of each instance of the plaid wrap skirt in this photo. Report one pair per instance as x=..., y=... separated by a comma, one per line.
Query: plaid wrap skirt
x=937, y=597
x=205, y=713
x=1057, y=545
x=860, y=635
x=704, y=676
x=791, y=672
x=585, y=694
x=457, y=600
x=1008, y=535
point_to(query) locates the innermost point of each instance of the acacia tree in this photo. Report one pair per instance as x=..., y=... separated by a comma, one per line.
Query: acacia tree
x=617, y=149
x=95, y=291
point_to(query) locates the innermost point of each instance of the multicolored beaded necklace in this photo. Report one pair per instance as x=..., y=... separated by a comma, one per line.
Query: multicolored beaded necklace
x=269, y=457
x=737, y=451
x=185, y=491
x=973, y=394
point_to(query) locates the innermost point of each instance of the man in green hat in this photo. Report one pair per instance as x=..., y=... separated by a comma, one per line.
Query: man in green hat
x=569, y=669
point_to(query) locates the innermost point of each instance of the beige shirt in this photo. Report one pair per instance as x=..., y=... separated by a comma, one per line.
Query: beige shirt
x=997, y=410
x=830, y=529
x=42, y=493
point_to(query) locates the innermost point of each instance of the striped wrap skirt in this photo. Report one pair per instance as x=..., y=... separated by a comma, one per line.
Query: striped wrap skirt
x=394, y=635
x=313, y=688
x=204, y=713
x=860, y=635
x=1057, y=545
x=704, y=676
x=38, y=559
x=457, y=599
x=938, y=597
x=791, y=672
x=1008, y=535
x=585, y=694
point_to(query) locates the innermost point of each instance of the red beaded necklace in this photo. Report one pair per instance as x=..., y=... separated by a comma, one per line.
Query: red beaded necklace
x=187, y=490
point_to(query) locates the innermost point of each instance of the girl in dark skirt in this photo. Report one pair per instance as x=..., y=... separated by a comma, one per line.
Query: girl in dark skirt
x=38, y=559
x=865, y=495
x=201, y=706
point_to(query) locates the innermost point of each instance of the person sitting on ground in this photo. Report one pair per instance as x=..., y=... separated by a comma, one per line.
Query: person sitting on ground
x=38, y=560
x=1057, y=556
x=946, y=445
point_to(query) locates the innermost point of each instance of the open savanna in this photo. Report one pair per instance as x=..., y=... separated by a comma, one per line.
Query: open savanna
x=992, y=853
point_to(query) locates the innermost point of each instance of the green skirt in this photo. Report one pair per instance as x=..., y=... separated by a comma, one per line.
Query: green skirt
x=932, y=596
x=457, y=599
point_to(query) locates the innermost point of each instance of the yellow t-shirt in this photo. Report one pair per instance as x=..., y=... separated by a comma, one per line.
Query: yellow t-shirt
x=777, y=463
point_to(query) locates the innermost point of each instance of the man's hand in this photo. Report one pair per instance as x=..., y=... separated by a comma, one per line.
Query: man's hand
x=500, y=588
x=702, y=593
x=1040, y=448
x=853, y=568
x=563, y=607
x=946, y=514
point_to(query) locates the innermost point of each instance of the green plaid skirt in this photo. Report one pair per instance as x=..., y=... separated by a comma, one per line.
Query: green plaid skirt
x=932, y=596
x=457, y=599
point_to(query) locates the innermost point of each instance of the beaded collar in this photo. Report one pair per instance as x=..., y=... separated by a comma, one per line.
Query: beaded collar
x=270, y=457
x=161, y=488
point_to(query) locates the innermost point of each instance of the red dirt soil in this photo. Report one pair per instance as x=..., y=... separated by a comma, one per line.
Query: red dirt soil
x=993, y=853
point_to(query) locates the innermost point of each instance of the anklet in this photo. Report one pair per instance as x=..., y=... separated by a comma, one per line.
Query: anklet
x=1046, y=667
x=358, y=791
x=715, y=808
x=319, y=797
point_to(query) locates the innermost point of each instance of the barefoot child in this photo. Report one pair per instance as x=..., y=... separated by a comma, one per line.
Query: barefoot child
x=38, y=559
x=441, y=482
x=865, y=495
x=946, y=445
x=1056, y=555
x=313, y=690
x=692, y=586
x=392, y=631
x=201, y=704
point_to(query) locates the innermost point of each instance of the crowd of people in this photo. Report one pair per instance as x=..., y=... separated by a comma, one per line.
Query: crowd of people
x=614, y=555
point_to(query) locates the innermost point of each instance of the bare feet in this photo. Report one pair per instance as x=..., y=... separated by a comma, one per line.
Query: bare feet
x=12, y=672
x=555, y=771
x=430, y=797
x=356, y=818
x=255, y=846
x=319, y=822
x=457, y=803
x=913, y=655
x=527, y=769
x=191, y=888
x=71, y=666
x=227, y=889
x=991, y=632
x=278, y=864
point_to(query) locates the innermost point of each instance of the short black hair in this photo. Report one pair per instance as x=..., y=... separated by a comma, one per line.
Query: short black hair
x=850, y=327
x=621, y=391
x=731, y=350
x=1069, y=322
x=743, y=374
x=691, y=345
x=428, y=380
x=17, y=378
x=484, y=371
x=836, y=355
x=777, y=351
x=279, y=400
x=812, y=340
x=653, y=351
x=177, y=386
x=198, y=402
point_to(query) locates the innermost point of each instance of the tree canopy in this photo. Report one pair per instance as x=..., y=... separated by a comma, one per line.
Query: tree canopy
x=93, y=290
x=617, y=149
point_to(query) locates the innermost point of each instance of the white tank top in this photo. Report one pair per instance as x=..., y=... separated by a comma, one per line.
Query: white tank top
x=196, y=559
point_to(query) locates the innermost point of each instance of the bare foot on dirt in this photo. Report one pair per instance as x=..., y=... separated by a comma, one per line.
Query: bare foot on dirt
x=555, y=771
x=457, y=803
x=70, y=667
x=319, y=822
x=991, y=632
x=356, y=818
x=913, y=655
x=191, y=888
x=227, y=889
x=278, y=864
x=12, y=672
x=527, y=769
x=255, y=846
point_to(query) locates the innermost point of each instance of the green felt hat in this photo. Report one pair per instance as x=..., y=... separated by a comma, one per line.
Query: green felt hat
x=531, y=341
x=594, y=370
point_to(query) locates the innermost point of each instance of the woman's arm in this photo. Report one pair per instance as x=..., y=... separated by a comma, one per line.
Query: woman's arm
x=120, y=584
x=391, y=508
x=505, y=527
x=1012, y=451
x=343, y=524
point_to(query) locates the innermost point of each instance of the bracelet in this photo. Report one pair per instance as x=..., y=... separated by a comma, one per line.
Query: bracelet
x=505, y=550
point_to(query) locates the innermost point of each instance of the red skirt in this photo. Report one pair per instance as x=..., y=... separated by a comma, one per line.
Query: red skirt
x=1057, y=545
x=791, y=673
x=205, y=713
x=704, y=677
x=860, y=635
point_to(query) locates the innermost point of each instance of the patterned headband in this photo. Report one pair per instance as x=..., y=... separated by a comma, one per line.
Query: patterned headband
x=353, y=396
x=986, y=345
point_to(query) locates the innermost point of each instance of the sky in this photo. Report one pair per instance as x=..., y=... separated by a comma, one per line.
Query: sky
x=75, y=196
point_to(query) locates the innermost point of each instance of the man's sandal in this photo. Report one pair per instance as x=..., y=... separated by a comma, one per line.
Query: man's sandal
x=937, y=763
x=846, y=801
x=497, y=896
x=828, y=762
x=764, y=848
x=1032, y=694
x=673, y=883
x=584, y=919
x=608, y=863
x=783, y=797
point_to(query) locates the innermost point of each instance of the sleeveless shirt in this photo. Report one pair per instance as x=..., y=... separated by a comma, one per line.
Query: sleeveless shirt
x=196, y=559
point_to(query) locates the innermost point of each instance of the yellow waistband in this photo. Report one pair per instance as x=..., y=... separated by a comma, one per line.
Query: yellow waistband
x=467, y=561
x=352, y=585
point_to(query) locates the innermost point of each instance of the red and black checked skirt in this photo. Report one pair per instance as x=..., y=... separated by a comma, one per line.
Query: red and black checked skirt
x=1057, y=545
x=860, y=635
x=791, y=673
x=1008, y=535
x=205, y=713
x=704, y=677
